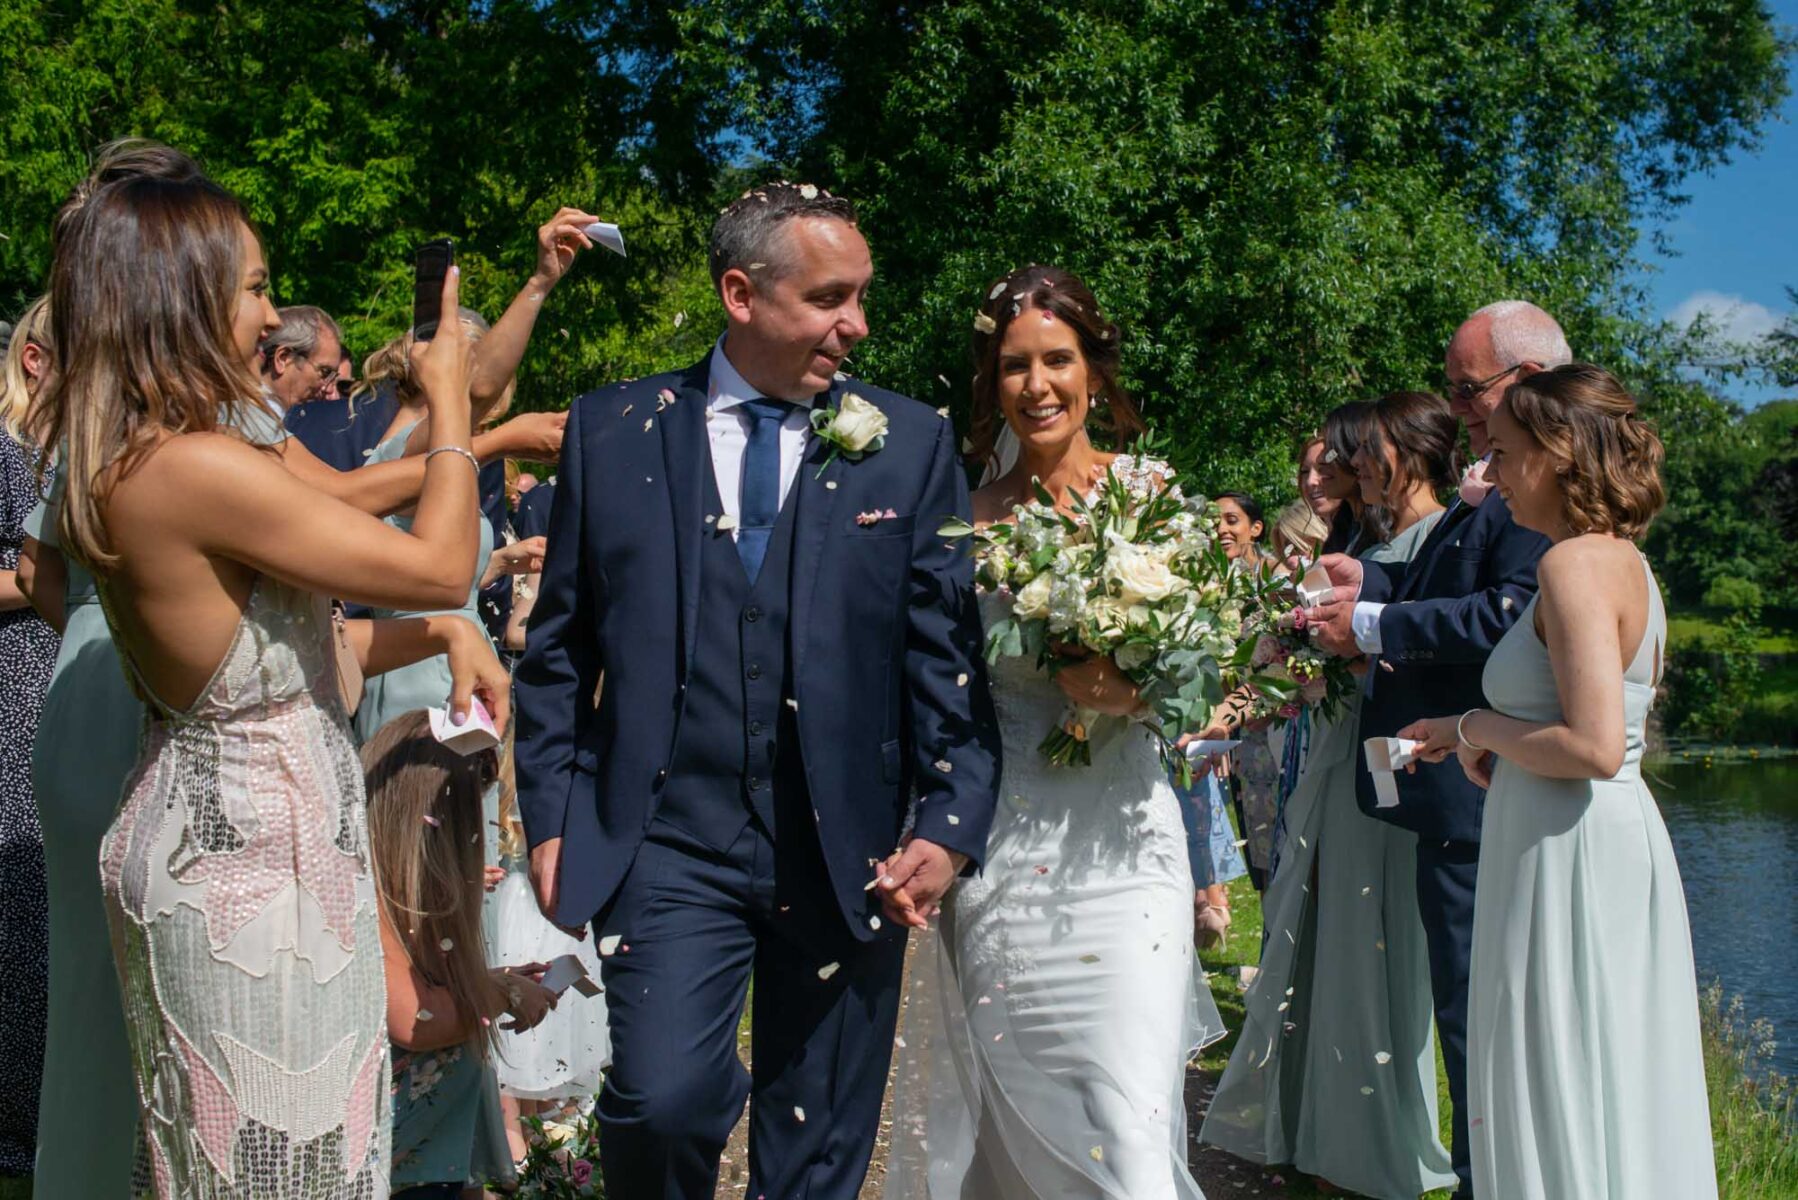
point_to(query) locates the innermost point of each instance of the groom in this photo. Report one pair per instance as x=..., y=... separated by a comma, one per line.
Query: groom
x=750, y=650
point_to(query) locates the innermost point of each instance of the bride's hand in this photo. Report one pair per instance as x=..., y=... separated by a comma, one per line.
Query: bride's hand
x=1095, y=682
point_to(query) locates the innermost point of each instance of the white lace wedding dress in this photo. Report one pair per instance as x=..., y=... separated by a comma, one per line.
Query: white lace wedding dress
x=1050, y=1017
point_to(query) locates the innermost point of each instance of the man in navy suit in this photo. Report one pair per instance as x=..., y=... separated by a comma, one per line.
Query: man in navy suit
x=749, y=651
x=1427, y=628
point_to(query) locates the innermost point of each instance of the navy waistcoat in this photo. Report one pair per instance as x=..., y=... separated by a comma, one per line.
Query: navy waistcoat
x=738, y=747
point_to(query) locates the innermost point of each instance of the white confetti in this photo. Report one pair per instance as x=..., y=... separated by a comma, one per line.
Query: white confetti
x=943, y=765
x=446, y=945
x=1367, y=891
x=1367, y=1091
x=627, y=410
x=899, y=1042
x=830, y=485
x=1089, y=958
x=828, y=969
x=954, y=820
x=873, y=922
x=726, y=523
x=997, y=288
x=961, y=680
x=1382, y=1058
x=793, y=704
x=425, y=1014
x=649, y=424
x=1096, y=1154
x=680, y=318
x=799, y=1114
x=984, y=1000
x=608, y=946
x=808, y=191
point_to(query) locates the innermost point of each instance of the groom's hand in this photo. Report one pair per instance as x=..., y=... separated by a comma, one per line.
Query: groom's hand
x=914, y=881
x=546, y=880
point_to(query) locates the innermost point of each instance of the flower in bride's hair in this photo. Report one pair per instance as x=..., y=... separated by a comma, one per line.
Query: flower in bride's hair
x=984, y=323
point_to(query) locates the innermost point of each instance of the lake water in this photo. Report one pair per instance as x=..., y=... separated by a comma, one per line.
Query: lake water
x=1735, y=829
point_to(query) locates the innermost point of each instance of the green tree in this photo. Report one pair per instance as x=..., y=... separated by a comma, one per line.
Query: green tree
x=1289, y=205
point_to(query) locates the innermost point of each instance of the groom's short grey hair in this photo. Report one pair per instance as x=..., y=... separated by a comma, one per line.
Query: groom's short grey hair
x=749, y=234
x=1522, y=333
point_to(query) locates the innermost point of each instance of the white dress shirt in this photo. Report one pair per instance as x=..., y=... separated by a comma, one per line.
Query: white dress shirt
x=1364, y=621
x=727, y=427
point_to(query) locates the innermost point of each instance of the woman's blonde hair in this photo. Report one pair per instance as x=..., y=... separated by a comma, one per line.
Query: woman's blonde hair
x=33, y=329
x=425, y=832
x=143, y=293
x=1298, y=530
x=392, y=365
x=1607, y=457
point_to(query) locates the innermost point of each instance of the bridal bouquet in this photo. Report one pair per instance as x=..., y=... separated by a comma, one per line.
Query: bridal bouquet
x=1134, y=572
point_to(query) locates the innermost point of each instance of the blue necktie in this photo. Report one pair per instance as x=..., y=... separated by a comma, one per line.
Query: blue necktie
x=760, y=497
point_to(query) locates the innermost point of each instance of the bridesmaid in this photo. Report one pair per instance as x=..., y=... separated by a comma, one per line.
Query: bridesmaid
x=1335, y=1071
x=236, y=873
x=1585, y=1067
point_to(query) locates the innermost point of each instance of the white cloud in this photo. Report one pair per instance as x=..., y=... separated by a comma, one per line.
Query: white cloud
x=1736, y=318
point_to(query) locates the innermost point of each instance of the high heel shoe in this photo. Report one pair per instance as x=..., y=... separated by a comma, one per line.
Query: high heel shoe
x=1210, y=926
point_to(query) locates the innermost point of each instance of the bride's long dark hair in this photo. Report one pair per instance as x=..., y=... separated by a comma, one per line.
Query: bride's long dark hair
x=1064, y=294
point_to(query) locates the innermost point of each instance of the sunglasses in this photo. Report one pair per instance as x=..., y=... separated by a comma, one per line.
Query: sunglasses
x=1465, y=391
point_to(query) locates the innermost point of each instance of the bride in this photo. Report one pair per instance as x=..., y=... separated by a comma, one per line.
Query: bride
x=1049, y=1023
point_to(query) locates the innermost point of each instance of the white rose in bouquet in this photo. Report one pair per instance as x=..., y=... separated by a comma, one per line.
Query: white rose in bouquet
x=1141, y=573
x=1032, y=601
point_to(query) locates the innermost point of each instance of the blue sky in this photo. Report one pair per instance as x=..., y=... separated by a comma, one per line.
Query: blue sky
x=1737, y=241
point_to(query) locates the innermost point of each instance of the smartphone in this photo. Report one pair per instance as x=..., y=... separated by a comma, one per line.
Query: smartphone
x=431, y=264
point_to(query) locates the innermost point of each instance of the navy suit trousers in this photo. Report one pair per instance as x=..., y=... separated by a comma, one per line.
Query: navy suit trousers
x=1445, y=878
x=694, y=925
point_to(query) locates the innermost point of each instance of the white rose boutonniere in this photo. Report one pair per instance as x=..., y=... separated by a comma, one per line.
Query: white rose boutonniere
x=854, y=429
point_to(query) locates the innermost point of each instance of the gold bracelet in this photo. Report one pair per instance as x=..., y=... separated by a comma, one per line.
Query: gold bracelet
x=468, y=454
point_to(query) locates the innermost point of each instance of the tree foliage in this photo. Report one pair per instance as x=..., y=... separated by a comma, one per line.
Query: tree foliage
x=1288, y=205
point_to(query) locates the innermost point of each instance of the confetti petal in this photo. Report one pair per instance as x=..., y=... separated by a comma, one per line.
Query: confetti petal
x=961, y=680
x=954, y=820
x=873, y=922
x=446, y=945
x=608, y=946
x=828, y=969
x=726, y=523
x=1382, y=1058
x=1097, y=1154
x=425, y=1014
x=799, y=1114
x=943, y=765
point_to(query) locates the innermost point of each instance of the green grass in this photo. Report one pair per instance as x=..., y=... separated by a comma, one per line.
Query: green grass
x=1690, y=628
x=1771, y=717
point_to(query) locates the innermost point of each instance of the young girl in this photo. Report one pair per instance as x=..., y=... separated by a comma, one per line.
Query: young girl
x=424, y=824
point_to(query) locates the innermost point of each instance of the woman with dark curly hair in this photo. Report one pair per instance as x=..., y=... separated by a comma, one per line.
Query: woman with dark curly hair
x=1585, y=1068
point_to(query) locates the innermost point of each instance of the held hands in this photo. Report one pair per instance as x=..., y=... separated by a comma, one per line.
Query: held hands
x=443, y=365
x=476, y=671
x=1438, y=737
x=1095, y=682
x=1331, y=624
x=914, y=880
x=558, y=242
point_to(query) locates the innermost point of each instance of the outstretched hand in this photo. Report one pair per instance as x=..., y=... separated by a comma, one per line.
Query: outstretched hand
x=914, y=880
x=558, y=241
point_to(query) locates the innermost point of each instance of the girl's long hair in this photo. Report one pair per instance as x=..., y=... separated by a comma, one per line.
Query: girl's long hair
x=425, y=831
x=143, y=290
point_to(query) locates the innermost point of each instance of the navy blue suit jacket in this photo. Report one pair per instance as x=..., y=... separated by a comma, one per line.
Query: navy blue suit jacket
x=1446, y=610
x=885, y=635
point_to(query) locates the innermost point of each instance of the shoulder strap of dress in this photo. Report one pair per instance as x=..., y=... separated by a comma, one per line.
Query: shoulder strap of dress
x=1654, y=635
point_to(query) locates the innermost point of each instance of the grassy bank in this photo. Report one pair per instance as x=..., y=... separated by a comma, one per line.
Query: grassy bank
x=1769, y=714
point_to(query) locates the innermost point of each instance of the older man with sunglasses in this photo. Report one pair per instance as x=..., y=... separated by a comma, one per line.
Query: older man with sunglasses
x=1427, y=628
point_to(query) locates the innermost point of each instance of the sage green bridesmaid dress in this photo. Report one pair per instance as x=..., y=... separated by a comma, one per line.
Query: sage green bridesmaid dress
x=1585, y=1068
x=1335, y=1071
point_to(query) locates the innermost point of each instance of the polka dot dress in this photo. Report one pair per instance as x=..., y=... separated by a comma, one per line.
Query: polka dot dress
x=28, y=650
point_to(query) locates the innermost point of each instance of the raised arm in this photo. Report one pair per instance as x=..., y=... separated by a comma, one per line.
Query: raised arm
x=246, y=508
x=500, y=352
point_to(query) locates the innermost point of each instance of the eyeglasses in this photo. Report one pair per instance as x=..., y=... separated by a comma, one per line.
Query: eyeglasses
x=325, y=370
x=1465, y=391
